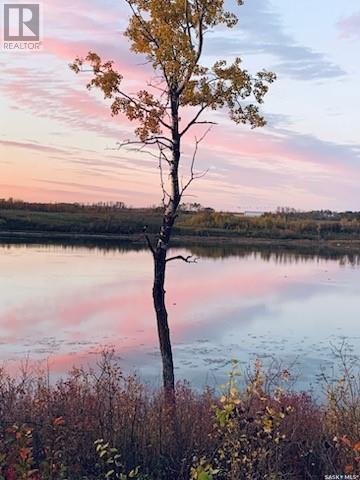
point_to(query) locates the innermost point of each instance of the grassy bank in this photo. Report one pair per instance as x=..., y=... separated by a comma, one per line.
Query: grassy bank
x=101, y=424
x=119, y=222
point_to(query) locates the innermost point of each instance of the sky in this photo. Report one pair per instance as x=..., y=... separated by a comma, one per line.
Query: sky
x=58, y=140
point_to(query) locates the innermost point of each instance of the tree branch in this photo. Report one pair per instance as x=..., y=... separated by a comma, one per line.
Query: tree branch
x=150, y=141
x=149, y=244
x=141, y=107
x=188, y=259
x=138, y=104
x=200, y=31
x=188, y=25
x=194, y=120
x=162, y=183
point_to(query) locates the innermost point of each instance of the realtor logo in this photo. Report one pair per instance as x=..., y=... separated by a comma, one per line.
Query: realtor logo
x=22, y=24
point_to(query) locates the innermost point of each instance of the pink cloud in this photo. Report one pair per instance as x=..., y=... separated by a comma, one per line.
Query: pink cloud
x=287, y=152
x=350, y=26
x=34, y=193
x=31, y=146
x=44, y=94
x=75, y=108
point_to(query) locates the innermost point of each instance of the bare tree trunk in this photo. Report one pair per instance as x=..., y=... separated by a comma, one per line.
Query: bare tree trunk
x=160, y=253
x=162, y=323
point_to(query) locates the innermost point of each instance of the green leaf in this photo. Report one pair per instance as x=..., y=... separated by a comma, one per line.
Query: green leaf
x=205, y=476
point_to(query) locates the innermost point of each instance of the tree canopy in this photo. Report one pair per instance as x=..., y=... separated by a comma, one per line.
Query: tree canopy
x=171, y=33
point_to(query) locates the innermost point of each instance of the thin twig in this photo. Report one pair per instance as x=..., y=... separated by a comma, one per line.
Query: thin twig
x=193, y=175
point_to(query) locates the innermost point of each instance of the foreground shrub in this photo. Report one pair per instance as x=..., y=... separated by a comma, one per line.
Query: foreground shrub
x=100, y=424
x=248, y=432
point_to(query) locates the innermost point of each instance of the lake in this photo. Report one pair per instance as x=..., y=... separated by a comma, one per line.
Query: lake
x=63, y=305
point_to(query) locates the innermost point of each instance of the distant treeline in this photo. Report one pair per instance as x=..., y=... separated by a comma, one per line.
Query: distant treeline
x=102, y=217
x=13, y=204
x=282, y=224
x=194, y=219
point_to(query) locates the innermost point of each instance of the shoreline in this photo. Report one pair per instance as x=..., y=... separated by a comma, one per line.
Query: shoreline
x=345, y=246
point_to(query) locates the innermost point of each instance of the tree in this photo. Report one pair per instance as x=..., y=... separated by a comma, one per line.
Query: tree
x=171, y=34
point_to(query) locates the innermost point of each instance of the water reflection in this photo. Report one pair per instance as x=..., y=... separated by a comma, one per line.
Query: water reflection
x=68, y=302
x=273, y=253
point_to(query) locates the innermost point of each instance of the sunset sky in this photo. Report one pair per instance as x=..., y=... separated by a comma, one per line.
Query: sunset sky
x=57, y=140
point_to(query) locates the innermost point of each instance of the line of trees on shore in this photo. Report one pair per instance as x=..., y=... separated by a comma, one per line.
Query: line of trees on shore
x=312, y=225
x=194, y=219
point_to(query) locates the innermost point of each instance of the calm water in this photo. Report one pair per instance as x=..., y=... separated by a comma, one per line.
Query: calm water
x=65, y=304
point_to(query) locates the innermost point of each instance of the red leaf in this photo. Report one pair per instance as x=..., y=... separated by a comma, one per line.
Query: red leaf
x=10, y=473
x=357, y=447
